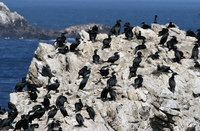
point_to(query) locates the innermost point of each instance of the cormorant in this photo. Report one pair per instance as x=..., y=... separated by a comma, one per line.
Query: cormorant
x=163, y=31
x=79, y=119
x=83, y=71
x=190, y=33
x=11, y=106
x=116, y=28
x=91, y=112
x=95, y=57
x=172, y=83
x=112, y=94
x=155, y=19
x=171, y=25
x=74, y=45
x=60, y=101
x=6, y=122
x=114, y=58
x=63, y=50
x=2, y=111
x=111, y=81
x=63, y=111
x=104, y=71
x=164, y=38
x=139, y=36
x=32, y=87
x=92, y=35
x=39, y=113
x=178, y=55
x=132, y=70
x=138, y=81
x=195, y=52
x=163, y=68
x=128, y=31
x=197, y=65
x=104, y=93
x=137, y=60
x=19, y=86
x=53, y=86
x=140, y=47
x=95, y=28
x=52, y=113
x=106, y=42
x=46, y=102
x=84, y=81
x=171, y=43
x=154, y=56
x=60, y=40
x=33, y=95
x=78, y=106
x=145, y=26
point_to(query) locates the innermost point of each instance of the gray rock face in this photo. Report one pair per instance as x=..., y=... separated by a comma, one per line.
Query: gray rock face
x=152, y=107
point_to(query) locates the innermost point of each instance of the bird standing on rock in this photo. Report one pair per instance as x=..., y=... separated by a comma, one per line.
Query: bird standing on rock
x=155, y=19
x=195, y=52
x=116, y=28
x=172, y=82
x=114, y=58
x=138, y=81
x=79, y=119
x=145, y=26
x=95, y=57
x=91, y=112
x=137, y=60
x=78, y=106
x=53, y=86
x=106, y=42
x=19, y=86
x=52, y=113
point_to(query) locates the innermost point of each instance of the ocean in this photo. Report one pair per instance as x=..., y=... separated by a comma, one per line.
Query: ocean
x=16, y=54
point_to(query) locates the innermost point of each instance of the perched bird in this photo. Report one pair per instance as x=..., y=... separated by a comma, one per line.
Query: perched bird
x=139, y=36
x=74, y=45
x=164, y=38
x=60, y=40
x=60, y=101
x=33, y=96
x=63, y=50
x=197, y=65
x=92, y=35
x=138, y=81
x=163, y=68
x=178, y=55
x=198, y=35
x=114, y=58
x=104, y=94
x=39, y=113
x=137, y=60
x=63, y=111
x=171, y=25
x=91, y=112
x=128, y=31
x=19, y=86
x=145, y=26
x=140, y=47
x=195, y=52
x=190, y=33
x=79, y=119
x=2, y=111
x=163, y=31
x=46, y=102
x=116, y=28
x=53, y=86
x=104, y=71
x=111, y=81
x=106, y=42
x=84, y=81
x=83, y=71
x=155, y=19
x=172, y=83
x=78, y=106
x=154, y=56
x=112, y=94
x=133, y=70
x=52, y=113
x=96, y=57
x=32, y=127
x=171, y=43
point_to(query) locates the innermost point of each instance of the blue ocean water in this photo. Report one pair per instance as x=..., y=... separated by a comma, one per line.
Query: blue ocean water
x=16, y=54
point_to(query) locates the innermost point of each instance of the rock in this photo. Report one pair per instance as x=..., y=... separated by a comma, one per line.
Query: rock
x=169, y=111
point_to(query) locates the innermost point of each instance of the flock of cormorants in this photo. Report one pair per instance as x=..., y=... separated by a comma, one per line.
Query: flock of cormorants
x=39, y=110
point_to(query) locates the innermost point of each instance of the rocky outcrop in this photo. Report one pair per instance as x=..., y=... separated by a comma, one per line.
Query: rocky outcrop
x=13, y=25
x=150, y=107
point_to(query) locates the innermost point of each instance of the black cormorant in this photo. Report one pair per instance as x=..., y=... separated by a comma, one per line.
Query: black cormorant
x=164, y=38
x=155, y=19
x=95, y=57
x=154, y=56
x=163, y=31
x=145, y=26
x=74, y=45
x=84, y=81
x=114, y=58
x=79, y=119
x=138, y=81
x=60, y=101
x=190, y=33
x=52, y=112
x=53, y=86
x=137, y=60
x=171, y=25
x=178, y=55
x=140, y=47
x=116, y=28
x=195, y=52
x=63, y=111
x=139, y=36
x=111, y=81
x=91, y=112
x=19, y=86
x=78, y=106
x=106, y=42
x=163, y=68
x=172, y=83
x=133, y=70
